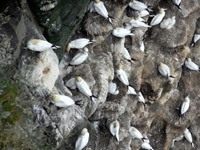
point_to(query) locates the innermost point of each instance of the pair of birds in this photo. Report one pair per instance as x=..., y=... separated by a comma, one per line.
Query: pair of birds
x=187, y=134
x=65, y=101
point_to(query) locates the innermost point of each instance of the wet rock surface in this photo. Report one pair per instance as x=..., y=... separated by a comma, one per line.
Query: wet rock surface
x=28, y=79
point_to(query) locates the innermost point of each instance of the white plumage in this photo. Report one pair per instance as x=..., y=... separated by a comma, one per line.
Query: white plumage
x=177, y=3
x=122, y=76
x=164, y=70
x=146, y=146
x=40, y=45
x=82, y=140
x=188, y=136
x=138, y=23
x=143, y=13
x=83, y=87
x=127, y=56
x=185, y=105
x=135, y=133
x=112, y=88
x=142, y=45
x=62, y=100
x=114, y=129
x=191, y=65
x=78, y=43
x=136, y=5
x=177, y=139
x=99, y=7
x=141, y=98
x=158, y=18
x=168, y=23
x=80, y=57
x=195, y=39
x=121, y=32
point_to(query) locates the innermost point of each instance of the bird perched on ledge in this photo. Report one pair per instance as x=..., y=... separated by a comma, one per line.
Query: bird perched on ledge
x=40, y=45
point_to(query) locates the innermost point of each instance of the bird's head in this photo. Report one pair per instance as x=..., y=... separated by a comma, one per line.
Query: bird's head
x=116, y=124
x=120, y=66
x=35, y=41
x=97, y=1
x=186, y=99
x=132, y=1
x=85, y=130
x=55, y=98
x=133, y=129
x=118, y=28
x=68, y=47
x=162, y=10
x=189, y=59
x=79, y=79
x=161, y=64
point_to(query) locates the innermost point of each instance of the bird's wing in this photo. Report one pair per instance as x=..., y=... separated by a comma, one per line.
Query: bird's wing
x=78, y=143
x=184, y=107
x=78, y=58
x=112, y=129
x=156, y=19
x=101, y=9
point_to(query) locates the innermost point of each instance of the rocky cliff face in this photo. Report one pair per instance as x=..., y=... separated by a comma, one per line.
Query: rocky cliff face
x=29, y=119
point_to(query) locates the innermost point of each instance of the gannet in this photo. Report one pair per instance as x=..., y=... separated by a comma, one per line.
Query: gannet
x=82, y=140
x=191, y=65
x=195, y=39
x=158, y=18
x=185, y=106
x=121, y=32
x=168, y=23
x=99, y=7
x=112, y=88
x=164, y=70
x=127, y=56
x=137, y=5
x=40, y=45
x=135, y=133
x=114, y=129
x=146, y=146
x=177, y=139
x=64, y=101
x=121, y=75
x=177, y=3
x=138, y=23
x=188, y=136
x=84, y=88
x=80, y=57
x=78, y=43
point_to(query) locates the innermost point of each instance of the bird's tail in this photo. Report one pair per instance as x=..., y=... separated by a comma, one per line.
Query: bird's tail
x=79, y=103
x=92, y=97
x=192, y=144
x=131, y=90
x=143, y=139
x=171, y=76
x=131, y=34
x=192, y=44
x=55, y=46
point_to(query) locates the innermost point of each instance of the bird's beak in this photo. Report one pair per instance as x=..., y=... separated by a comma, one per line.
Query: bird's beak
x=165, y=9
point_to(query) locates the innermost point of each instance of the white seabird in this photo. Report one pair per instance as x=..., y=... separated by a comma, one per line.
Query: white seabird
x=158, y=18
x=127, y=56
x=82, y=140
x=141, y=42
x=191, y=65
x=40, y=45
x=195, y=39
x=168, y=23
x=143, y=13
x=121, y=75
x=121, y=32
x=138, y=23
x=80, y=57
x=63, y=101
x=99, y=7
x=78, y=43
x=177, y=3
x=83, y=87
x=188, y=136
x=136, y=5
x=164, y=70
x=112, y=88
x=114, y=129
x=185, y=106
x=141, y=98
x=177, y=139
x=146, y=146
x=135, y=133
